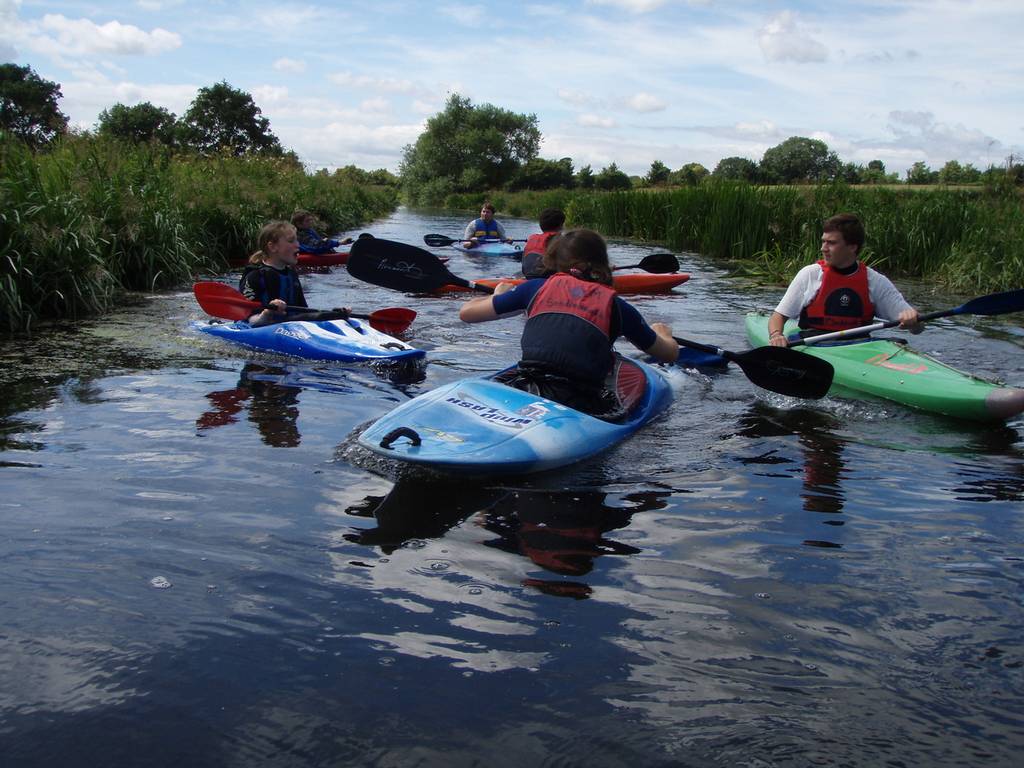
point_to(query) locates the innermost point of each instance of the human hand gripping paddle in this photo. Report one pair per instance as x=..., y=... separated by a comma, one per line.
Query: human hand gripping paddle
x=220, y=300
x=404, y=267
x=993, y=304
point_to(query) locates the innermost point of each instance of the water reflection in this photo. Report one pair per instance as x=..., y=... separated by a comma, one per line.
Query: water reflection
x=563, y=532
x=823, y=467
x=272, y=404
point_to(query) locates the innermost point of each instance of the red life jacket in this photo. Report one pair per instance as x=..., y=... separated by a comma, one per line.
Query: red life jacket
x=537, y=243
x=568, y=328
x=842, y=301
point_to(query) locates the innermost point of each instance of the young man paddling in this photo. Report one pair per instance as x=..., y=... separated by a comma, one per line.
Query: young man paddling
x=839, y=292
x=484, y=229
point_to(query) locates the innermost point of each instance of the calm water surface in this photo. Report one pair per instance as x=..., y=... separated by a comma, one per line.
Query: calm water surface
x=199, y=567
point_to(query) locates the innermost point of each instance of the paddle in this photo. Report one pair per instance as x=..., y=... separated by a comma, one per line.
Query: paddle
x=402, y=267
x=440, y=241
x=222, y=300
x=794, y=374
x=993, y=304
x=656, y=263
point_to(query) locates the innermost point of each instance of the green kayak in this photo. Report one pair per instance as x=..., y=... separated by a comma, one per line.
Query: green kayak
x=893, y=371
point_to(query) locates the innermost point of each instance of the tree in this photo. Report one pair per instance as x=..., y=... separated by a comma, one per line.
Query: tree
x=221, y=117
x=468, y=148
x=585, y=177
x=799, y=159
x=141, y=123
x=543, y=174
x=690, y=174
x=919, y=173
x=28, y=105
x=736, y=169
x=658, y=175
x=612, y=178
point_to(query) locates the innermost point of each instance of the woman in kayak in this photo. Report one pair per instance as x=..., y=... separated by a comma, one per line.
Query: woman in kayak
x=838, y=292
x=311, y=241
x=551, y=221
x=270, y=278
x=484, y=229
x=573, y=318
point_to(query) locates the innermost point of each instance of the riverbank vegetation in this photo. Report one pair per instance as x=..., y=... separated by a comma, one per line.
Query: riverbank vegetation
x=91, y=217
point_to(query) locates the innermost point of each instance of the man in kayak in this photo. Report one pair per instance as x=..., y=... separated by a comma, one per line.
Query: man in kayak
x=484, y=229
x=270, y=278
x=311, y=241
x=551, y=221
x=572, y=320
x=838, y=292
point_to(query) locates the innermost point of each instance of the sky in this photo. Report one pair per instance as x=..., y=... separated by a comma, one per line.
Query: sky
x=625, y=81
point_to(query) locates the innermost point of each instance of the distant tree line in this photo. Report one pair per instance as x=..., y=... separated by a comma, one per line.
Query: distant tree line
x=220, y=119
x=464, y=148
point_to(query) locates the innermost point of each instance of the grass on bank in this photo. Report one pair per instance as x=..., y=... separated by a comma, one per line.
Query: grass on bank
x=91, y=218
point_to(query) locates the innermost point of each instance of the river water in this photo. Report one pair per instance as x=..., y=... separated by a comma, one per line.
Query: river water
x=198, y=567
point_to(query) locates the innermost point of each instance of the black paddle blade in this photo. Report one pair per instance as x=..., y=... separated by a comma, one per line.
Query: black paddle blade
x=438, y=241
x=399, y=266
x=785, y=371
x=994, y=303
x=659, y=263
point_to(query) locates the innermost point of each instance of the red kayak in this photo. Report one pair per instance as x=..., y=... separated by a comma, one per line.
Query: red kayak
x=329, y=259
x=625, y=284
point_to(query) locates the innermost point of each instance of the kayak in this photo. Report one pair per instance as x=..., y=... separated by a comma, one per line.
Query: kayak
x=492, y=249
x=345, y=340
x=625, y=284
x=479, y=426
x=329, y=259
x=893, y=371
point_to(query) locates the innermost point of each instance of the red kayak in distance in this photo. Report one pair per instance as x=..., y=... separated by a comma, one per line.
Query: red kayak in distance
x=313, y=260
x=624, y=284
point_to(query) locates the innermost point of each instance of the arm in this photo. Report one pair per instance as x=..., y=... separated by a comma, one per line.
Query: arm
x=890, y=304
x=664, y=348
x=776, y=337
x=482, y=309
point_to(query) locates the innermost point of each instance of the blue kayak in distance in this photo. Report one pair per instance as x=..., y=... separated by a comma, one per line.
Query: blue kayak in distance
x=492, y=248
x=479, y=426
x=348, y=341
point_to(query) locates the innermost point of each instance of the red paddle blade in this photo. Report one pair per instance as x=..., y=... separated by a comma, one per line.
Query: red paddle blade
x=219, y=300
x=392, y=319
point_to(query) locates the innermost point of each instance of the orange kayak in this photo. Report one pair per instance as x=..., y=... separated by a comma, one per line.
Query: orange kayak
x=625, y=284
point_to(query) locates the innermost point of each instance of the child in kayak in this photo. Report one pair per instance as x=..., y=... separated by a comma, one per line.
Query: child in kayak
x=270, y=278
x=572, y=320
x=838, y=292
x=485, y=229
x=551, y=221
x=311, y=241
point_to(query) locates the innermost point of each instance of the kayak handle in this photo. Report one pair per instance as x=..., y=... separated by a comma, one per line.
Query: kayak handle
x=394, y=434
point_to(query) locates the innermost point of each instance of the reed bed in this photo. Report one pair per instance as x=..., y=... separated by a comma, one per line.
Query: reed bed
x=966, y=240
x=91, y=218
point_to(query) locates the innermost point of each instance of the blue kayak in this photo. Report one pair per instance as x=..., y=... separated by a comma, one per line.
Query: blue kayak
x=345, y=340
x=492, y=248
x=479, y=426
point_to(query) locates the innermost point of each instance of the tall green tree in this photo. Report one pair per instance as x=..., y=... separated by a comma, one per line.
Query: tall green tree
x=539, y=173
x=657, y=175
x=585, y=177
x=920, y=173
x=690, y=174
x=222, y=117
x=468, y=148
x=800, y=159
x=612, y=178
x=736, y=169
x=139, y=123
x=28, y=105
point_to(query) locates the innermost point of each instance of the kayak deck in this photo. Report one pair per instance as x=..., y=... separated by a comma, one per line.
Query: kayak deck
x=349, y=340
x=482, y=427
x=896, y=372
x=491, y=249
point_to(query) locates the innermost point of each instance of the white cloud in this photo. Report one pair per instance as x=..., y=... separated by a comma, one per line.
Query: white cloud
x=595, y=121
x=350, y=80
x=578, y=98
x=784, y=38
x=79, y=36
x=293, y=66
x=634, y=6
x=646, y=102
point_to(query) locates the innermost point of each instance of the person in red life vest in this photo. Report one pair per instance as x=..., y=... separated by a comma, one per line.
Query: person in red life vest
x=551, y=221
x=572, y=320
x=839, y=292
x=485, y=229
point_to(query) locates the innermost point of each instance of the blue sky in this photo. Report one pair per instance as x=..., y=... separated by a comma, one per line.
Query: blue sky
x=624, y=81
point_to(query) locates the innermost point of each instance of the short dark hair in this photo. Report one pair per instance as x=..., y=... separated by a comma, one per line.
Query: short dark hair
x=551, y=219
x=488, y=205
x=847, y=225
